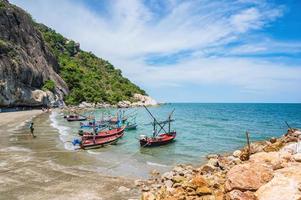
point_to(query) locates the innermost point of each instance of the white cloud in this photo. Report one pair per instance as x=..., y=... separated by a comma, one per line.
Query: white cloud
x=132, y=30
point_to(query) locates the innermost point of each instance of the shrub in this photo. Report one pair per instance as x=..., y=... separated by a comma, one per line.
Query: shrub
x=49, y=85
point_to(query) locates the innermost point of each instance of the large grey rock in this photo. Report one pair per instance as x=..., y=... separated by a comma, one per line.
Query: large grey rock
x=25, y=61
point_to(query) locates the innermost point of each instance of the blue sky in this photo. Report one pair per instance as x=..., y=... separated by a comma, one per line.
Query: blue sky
x=189, y=51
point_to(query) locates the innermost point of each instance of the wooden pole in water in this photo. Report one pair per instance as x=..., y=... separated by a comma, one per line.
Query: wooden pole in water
x=248, y=142
x=289, y=127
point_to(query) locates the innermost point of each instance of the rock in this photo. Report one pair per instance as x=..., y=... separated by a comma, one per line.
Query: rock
x=199, y=181
x=274, y=159
x=236, y=153
x=148, y=196
x=273, y=140
x=284, y=185
x=123, y=104
x=290, y=148
x=26, y=61
x=145, y=188
x=85, y=105
x=203, y=190
x=257, y=147
x=249, y=176
x=244, y=156
x=167, y=175
x=168, y=183
x=213, y=162
x=123, y=189
x=155, y=173
x=215, y=156
x=138, y=183
x=178, y=179
x=205, y=169
x=297, y=157
x=273, y=147
x=239, y=195
x=144, y=100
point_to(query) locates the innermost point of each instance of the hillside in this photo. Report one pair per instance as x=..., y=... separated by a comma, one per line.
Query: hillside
x=88, y=77
x=35, y=59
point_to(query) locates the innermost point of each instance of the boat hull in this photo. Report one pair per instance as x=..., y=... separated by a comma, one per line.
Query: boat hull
x=104, y=134
x=75, y=118
x=99, y=142
x=162, y=139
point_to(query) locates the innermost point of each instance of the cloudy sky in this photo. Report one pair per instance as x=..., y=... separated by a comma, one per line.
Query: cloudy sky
x=189, y=51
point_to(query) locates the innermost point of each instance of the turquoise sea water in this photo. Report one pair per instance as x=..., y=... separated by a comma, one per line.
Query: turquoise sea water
x=201, y=129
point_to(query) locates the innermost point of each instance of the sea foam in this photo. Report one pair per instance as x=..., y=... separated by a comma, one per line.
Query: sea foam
x=64, y=131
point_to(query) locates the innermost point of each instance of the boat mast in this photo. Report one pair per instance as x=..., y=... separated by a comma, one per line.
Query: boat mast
x=155, y=121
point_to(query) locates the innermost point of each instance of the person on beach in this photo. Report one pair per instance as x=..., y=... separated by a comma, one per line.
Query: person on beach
x=31, y=129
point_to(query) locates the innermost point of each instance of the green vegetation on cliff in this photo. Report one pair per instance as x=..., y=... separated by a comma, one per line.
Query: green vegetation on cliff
x=88, y=77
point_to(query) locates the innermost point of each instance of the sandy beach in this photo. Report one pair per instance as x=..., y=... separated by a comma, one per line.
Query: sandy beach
x=40, y=168
x=15, y=119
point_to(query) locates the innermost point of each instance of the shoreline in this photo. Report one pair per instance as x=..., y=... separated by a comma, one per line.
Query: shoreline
x=31, y=167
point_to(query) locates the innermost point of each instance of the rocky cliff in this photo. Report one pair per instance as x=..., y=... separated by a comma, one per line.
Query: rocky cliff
x=25, y=61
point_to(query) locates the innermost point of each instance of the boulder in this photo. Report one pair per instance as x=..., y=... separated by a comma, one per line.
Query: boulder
x=148, y=196
x=123, y=104
x=199, y=181
x=26, y=62
x=239, y=195
x=123, y=189
x=273, y=140
x=178, y=179
x=236, y=153
x=249, y=176
x=284, y=185
x=297, y=157
x=144, y=100
x=167, y=175
x=204, y=190
x=215, y=156
x=168, y=183
x=273, y=147
x=276, y=160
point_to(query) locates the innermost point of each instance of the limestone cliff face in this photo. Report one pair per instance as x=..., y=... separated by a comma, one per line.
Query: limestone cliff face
x=25, y=61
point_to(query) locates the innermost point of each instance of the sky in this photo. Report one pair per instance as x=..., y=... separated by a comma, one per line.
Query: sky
x=192, y=50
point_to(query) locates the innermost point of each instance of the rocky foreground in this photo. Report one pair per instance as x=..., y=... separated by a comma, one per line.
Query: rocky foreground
x=271, y=171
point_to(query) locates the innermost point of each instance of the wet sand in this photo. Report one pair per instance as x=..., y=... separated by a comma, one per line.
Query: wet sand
x=40, y=168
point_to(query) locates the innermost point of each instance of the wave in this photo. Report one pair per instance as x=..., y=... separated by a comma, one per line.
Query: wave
x=156, y=164
x=64, y=131
x=93, y=152
x=14, y=149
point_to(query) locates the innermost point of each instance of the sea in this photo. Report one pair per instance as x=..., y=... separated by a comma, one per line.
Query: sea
x=202, y=129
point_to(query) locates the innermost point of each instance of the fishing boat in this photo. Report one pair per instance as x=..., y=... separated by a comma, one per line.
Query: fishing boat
x=93, y=142
x=71, y=118
x=93, y=124
x=130, y=126
x=158, y=138
x=114, y=120
x=103, y=134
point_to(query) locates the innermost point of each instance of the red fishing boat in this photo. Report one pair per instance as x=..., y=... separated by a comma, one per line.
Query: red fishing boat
x=161, y=139
x=114, y=120
x=103, y=134
x=93, y=142
x=158, y=138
